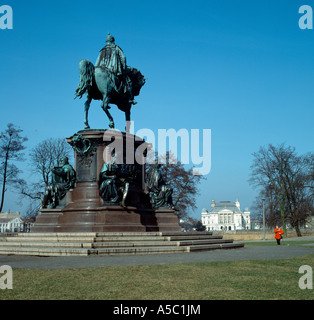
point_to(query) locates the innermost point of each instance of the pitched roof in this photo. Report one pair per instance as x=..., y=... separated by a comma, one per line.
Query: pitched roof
x=7, y=220
x=225, y=205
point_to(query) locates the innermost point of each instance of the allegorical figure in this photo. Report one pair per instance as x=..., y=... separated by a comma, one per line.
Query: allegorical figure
x=108, y=182
x=113, y=59
x=160, y=193
x=113, y=187
x=62, y=180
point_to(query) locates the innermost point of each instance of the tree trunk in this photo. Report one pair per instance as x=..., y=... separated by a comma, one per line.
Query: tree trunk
x=297, y=229
x=2, y=197
x=5, y=173
x=4, y=182
x=283, y=222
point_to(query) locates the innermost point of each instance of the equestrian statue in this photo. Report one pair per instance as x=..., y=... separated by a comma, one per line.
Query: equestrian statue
x=111, y=81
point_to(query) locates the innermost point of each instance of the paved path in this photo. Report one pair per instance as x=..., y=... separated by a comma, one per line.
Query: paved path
x=246, y=253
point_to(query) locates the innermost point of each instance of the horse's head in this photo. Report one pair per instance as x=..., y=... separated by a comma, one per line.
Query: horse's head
x=137, y=79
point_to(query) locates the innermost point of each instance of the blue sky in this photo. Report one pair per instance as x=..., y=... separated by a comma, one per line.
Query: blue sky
x=243, y=69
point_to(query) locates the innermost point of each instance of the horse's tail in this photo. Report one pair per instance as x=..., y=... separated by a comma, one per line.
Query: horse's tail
x=86, y=70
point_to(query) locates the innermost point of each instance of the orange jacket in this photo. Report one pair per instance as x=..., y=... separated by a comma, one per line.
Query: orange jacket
x=278, y=233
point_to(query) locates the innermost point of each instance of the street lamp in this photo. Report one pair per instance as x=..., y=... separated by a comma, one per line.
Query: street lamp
x=263, y=219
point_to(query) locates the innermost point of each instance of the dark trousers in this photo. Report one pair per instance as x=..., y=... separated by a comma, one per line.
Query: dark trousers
x=278, y=241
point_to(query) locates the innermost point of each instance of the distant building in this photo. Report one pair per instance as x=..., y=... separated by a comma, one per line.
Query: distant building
x=12, y=222
x=309, y=224
x=256, y=224
x=226, y=215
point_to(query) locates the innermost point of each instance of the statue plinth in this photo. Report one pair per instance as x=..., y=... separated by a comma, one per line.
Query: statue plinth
x=85, y=208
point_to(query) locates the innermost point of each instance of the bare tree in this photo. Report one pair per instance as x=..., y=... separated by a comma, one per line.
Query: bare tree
x=183, y=182
x=11, y=147
x=286, y=181
x=46, y=155
x=43, y=157
x=309, y=176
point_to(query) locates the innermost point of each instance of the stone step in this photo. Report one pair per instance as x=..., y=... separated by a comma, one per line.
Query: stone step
x=110, y=243
x=140, y=250
x=187, y=234
x=88, y=245
x=196, y=237
x=49, y=234
x=161, y=243
x=38, y=251
x=31, y=244
x=95, y=243
x=147, y=238
x=203, y=242
x=83, y=239
x=48, y=237
x=44, y=251
x=161, y=238
x=167, y=249
x=103, y=234
x=231, y=245
x=120, y=243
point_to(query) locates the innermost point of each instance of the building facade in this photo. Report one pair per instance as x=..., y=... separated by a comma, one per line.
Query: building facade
x=225, y=216
x=12, y=222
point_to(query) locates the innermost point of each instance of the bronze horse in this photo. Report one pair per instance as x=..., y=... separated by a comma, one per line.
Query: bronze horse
x=97, y=84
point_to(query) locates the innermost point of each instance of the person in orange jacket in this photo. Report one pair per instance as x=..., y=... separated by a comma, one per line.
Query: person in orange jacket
x=278, y=234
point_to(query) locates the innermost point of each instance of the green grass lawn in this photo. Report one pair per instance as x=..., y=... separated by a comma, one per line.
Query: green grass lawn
x=256, y=280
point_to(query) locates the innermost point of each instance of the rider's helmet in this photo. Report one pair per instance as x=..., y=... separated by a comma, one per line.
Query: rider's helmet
x=110, y=38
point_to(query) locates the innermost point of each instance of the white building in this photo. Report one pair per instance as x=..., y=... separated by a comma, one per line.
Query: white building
x=226, y=215
x=11, y=222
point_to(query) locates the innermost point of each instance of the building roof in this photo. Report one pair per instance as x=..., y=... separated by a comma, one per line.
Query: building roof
x=9, y=215
x=225, y=205
x=7, y=220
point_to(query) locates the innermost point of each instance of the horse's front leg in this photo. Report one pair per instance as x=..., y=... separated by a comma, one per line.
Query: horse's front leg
x=105, y=107
x=128, y=120
x=86, y=108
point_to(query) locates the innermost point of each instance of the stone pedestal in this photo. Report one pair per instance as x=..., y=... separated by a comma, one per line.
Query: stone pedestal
x=85, y=211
